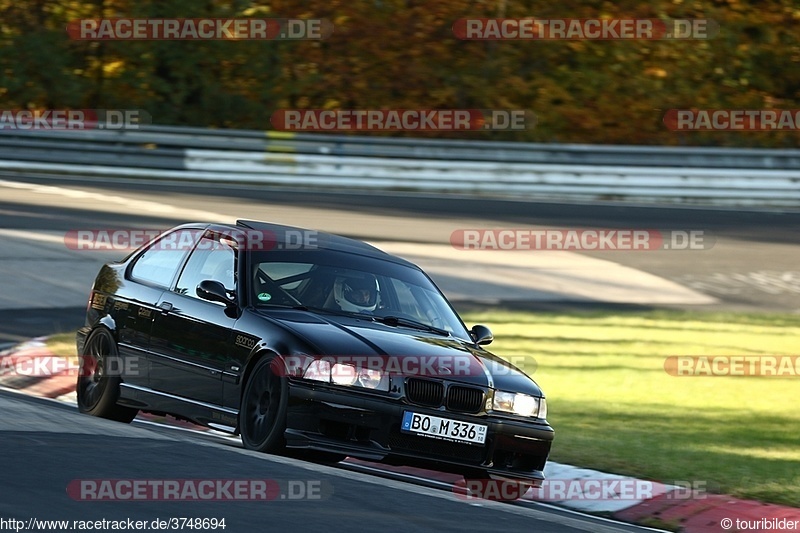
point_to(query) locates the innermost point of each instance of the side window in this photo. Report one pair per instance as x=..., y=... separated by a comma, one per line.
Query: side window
x=161, y=261
x=214, y=259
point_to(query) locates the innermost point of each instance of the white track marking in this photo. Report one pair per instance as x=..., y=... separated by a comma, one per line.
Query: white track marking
x=130, y=204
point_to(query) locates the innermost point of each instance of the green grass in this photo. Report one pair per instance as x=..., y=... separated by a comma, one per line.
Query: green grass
x=63, y=345
x=616, y=409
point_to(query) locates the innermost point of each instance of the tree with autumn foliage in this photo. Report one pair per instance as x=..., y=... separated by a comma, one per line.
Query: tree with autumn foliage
x=394, y=54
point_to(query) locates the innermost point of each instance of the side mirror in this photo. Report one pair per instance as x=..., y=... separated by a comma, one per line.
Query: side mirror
x=213, y=291
x=481, y=334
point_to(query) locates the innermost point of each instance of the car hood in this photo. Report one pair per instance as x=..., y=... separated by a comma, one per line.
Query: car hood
x=403, y=350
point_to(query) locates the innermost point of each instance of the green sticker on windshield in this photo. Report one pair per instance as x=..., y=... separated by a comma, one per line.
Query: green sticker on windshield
x=265, y=297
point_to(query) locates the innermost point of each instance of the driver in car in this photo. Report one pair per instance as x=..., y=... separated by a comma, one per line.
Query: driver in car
x=357, y=294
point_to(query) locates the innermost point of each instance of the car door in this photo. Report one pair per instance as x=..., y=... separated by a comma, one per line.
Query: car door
x=189, y=339
x=151, y=273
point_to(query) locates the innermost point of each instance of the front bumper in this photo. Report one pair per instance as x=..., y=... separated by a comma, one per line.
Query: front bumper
x=367, y=426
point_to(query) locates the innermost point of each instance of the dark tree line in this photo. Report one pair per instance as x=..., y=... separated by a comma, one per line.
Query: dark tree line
x=389, y=54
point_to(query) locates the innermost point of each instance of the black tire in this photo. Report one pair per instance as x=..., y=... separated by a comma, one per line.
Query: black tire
x=97, y=391
x=262, y=416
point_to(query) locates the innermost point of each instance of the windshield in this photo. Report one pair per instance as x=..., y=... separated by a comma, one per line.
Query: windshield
x=352, y=285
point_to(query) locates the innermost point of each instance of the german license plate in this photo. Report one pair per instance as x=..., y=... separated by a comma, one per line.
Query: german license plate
x=443, y=428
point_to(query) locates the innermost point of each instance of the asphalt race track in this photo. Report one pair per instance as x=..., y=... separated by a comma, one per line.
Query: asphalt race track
x=50, y=447
x=753, y=266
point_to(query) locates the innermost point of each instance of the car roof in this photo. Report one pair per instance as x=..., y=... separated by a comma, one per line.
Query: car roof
x=325, y=241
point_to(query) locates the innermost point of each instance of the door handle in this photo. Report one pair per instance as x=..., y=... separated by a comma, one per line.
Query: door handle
x=165, y=307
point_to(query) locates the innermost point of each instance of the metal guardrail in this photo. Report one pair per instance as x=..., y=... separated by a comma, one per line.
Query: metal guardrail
x=451, y=150
x=700, y=176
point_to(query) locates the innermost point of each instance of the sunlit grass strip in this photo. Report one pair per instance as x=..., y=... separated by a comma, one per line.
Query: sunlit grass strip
x=615, y=408
x=63, y=345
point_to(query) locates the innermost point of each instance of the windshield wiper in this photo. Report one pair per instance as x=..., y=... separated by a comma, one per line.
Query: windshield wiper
x=389, y=320
x=408, y=323
x=330, y=311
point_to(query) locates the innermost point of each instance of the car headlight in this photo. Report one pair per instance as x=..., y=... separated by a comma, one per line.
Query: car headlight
x=343, y=374
x=318, y=370
x=542, y=408
x=372, y=379
x=519, y=404
x=347, y=375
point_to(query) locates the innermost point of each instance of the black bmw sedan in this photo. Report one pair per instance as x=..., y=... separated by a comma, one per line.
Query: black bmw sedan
x=306, y=343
